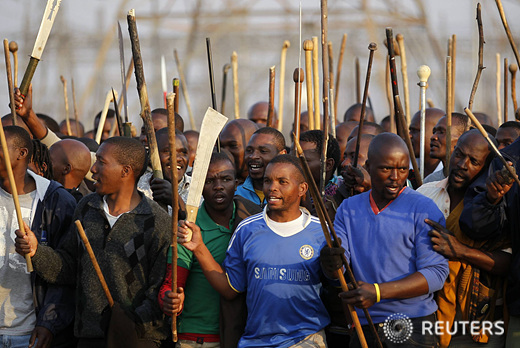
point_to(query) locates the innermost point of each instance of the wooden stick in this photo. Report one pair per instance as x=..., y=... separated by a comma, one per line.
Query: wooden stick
x=175, y=199
x=393, y=71
x=103, y=118
x=184, y=90
x=316, y=81
x=14, y=191
x=76, y=117
x=372, y=47
x=400, y=115
x=283, y=55
x=480, y=57
x=234, y=66
x=449, y=110
x=211, y=75
x=326, y=81
x=404, y=73
x=13, y=47
x=388, y=85
x=331, y=83
x=338, y=73
x=506, y=87
x=122, y=100
x=358, y=81
x=308, y=46
x=143, y=96
x=176, y=92
x=490, y=142
x=10, y=81
x=225, y=70
x=118, y=123
x=298, y=79
x=423, y=73
x=430, y=102
x=270, y=110
x=513, y=69
x=497, y=91
x=93, y=259
x=332, y=241
x=66, y=98
x=453, y=56
x=508, y=32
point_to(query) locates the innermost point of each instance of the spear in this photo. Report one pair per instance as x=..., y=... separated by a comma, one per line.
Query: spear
x=143, y=95
x=43, y=34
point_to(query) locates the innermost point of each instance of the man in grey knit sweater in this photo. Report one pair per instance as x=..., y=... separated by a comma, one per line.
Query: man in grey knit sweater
x=129, y=236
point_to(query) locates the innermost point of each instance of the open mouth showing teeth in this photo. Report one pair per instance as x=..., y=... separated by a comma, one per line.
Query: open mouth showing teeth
x=255, y=166
x=274, y=199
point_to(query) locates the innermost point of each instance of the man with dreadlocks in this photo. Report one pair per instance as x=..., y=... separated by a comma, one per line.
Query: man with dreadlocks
x=31, y=308
x=40, y=160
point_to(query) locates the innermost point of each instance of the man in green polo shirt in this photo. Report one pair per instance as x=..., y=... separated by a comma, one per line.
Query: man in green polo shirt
x=217, y=218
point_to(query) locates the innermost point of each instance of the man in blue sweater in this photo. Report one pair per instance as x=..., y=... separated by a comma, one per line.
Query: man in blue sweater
x=386, y=241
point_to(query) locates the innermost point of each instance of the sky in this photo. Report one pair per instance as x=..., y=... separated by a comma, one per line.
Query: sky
x=256, y=30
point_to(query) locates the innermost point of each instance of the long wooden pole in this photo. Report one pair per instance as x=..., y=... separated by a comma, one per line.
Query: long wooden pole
x=308, y=47
x=406, y=137
x=497, y=90
x=175, y=200
x=449, y=109
x=338, y=72
x=453, y=56
x=508, y=31
x=10, y=81
x=513, y=69
x=234, y=67
x=185, y=90
x=404, y=73
x=176, y=85
x=316, y=81
x=423, y=73
x=270, y=111
x=506, y=87
x=358, y=80
x=14, y=192
x=281, y=92
x=326, y=81
x=388, y=88
x=74, y=107
x=298, y=80
x=480, y=57
x=225, y=70
x=93, y=259
x=331, y=86
x=393, y=71
x=102, y=119
x=66, y=99
x=372, y=47
x=143, y=96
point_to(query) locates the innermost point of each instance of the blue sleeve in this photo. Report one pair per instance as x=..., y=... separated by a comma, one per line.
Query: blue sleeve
x=234, y=264
x=341, y=229
x=432, y=265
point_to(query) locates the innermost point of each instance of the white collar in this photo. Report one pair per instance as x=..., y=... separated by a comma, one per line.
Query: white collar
x=42, y=184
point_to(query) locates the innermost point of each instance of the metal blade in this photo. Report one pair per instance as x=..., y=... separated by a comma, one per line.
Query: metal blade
x=123, y=70
x=45, y=27
x=212, y=124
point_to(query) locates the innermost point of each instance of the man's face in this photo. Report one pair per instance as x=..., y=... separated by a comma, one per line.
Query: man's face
x=57, y=157
x=259, y=114
x=415, y=134
x=438, y=139
x=106, y=171
x=192, y=147
x=219, y=187
x=159, y=121
x=467, y=160
x=233, y=139
x=107, y=128
x=259, y=152
x=182, y=156
x=388, y=171
x=282, y=187
x=342, y=132
x=505, y=137
x=313, y=157
x=350, y=151
x=13, y=155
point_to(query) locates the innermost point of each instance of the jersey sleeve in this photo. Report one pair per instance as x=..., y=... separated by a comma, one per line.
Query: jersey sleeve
x=234, y=265
x=431, y=264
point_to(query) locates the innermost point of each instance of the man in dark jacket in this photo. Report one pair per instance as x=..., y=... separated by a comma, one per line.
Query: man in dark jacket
x=31, y=308
x=494, y=213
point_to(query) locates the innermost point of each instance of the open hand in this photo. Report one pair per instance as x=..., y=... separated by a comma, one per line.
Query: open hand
x=444, y=241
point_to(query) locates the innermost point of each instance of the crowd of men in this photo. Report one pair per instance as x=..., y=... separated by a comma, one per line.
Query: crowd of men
x=255, y=270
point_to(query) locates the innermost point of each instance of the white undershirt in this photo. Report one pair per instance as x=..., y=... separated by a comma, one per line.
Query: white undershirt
x=290, y=228
x=111, y=218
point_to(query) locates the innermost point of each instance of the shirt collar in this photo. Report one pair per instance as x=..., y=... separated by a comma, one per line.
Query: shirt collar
x=205, y=222
x=42, y=184
x=442, y=183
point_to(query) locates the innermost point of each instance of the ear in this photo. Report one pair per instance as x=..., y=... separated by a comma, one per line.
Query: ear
x=367, y=165
x=303, y=187
x=329, y=164
x=126, y=171
x=23, y=152
x=283, y=152
x=67, y=169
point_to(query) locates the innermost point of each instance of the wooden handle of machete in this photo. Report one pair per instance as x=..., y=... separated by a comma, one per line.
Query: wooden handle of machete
x=27, y=77
x=90, y=252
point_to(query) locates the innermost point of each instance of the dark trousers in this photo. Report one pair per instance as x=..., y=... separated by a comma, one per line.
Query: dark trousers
x=101, y=343
x=392, y=339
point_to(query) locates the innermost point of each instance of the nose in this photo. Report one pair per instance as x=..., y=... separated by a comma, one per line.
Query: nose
x=394, y=174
